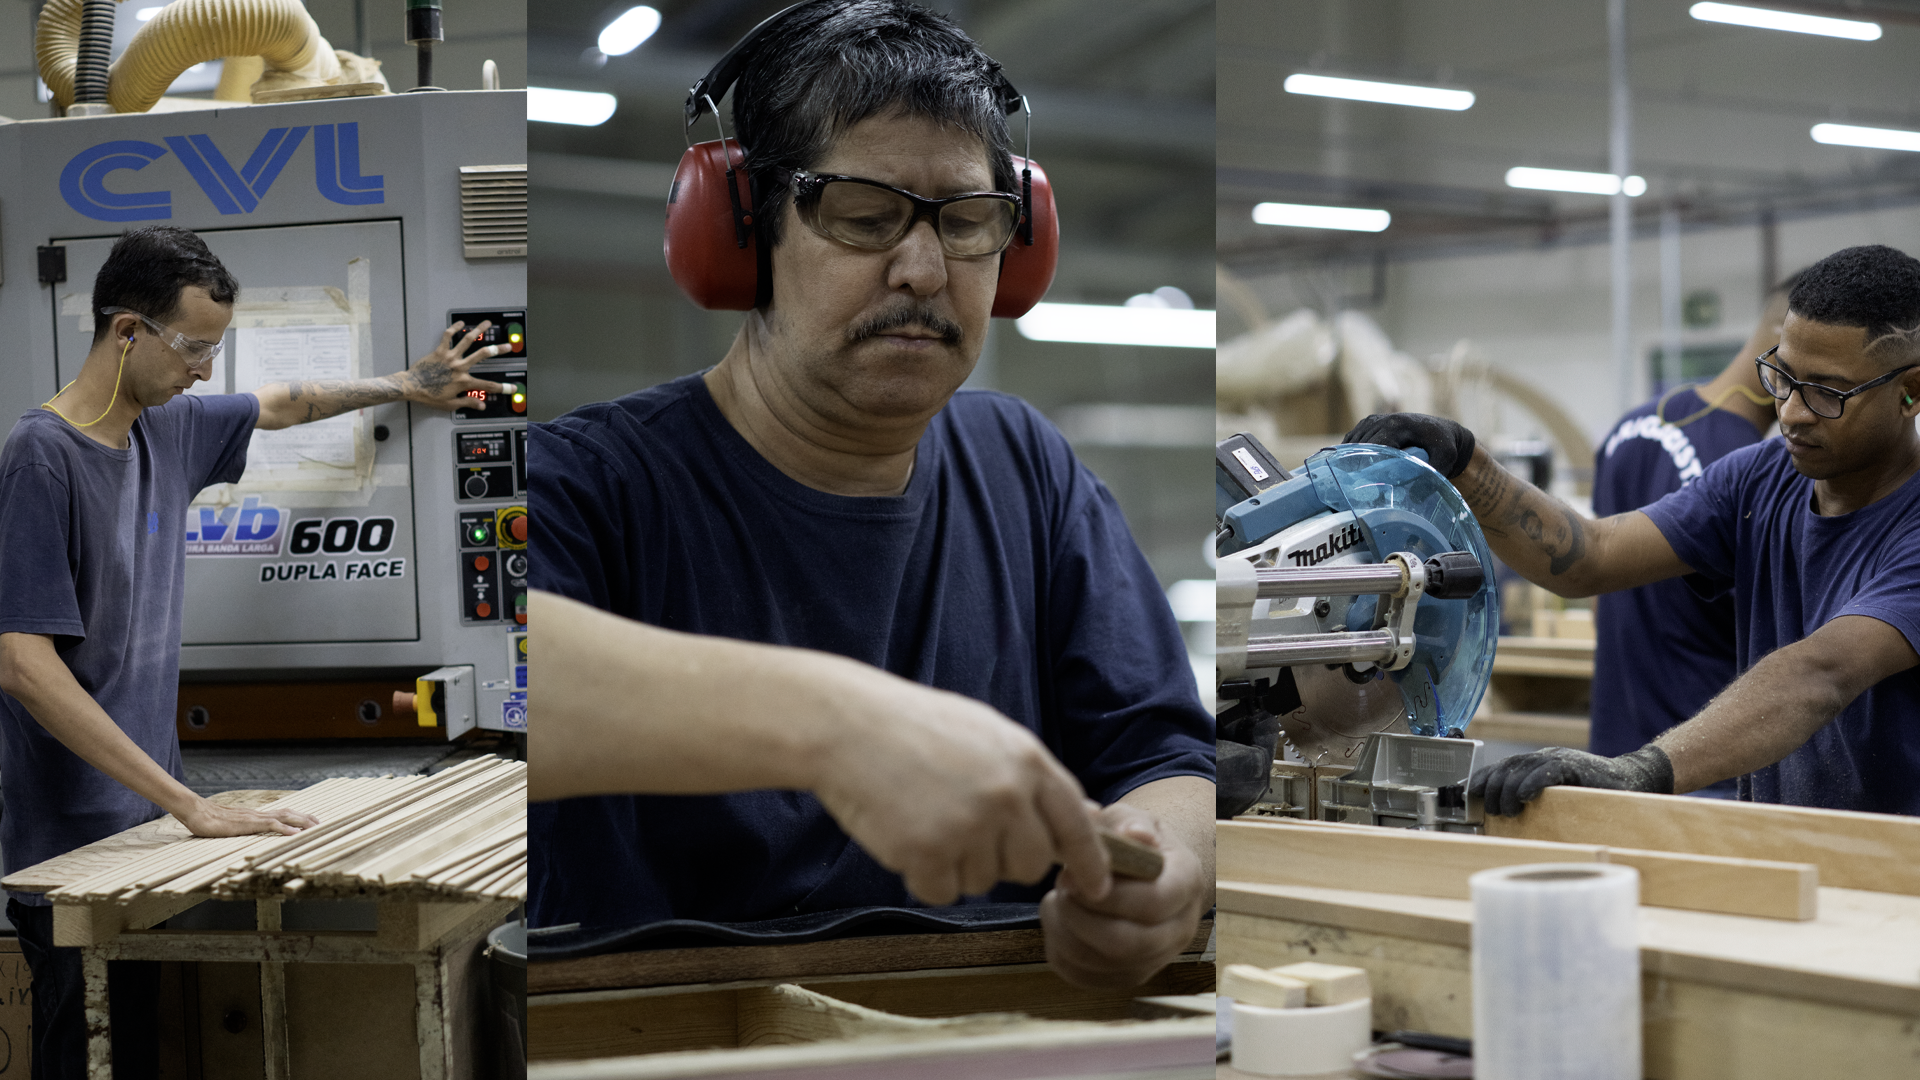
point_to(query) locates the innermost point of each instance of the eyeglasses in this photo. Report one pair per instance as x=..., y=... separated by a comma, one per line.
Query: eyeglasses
x=198, y=354
x=1824, y=401
x=870, y=214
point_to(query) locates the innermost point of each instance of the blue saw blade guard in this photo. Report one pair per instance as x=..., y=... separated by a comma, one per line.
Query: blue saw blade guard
x=1402, y=504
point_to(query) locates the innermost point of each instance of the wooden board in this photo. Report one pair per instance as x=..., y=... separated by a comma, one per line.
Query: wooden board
x=1533, y=728
x=1853, y=850
x=121, y=847
x=1723, y=998
x=1438, y=864
x=844, y=956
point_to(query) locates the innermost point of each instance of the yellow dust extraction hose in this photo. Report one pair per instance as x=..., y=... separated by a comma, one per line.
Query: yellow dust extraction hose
x=180, y=35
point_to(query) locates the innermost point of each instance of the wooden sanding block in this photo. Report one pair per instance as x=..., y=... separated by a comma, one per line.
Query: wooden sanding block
x=1131, y=858
x=1250, y=985
x=1328, y=984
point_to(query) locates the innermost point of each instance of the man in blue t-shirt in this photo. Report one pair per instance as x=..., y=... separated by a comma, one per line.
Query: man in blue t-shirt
x=1811, y=535
x=845, y=600
x=1664, y=650
x=96, y=484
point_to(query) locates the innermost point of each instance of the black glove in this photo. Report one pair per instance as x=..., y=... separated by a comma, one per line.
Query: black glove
x=1448, y=445
x=1509, y=783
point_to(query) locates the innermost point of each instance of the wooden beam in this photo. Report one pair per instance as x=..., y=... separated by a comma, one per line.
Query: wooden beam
x=94, y=923
x=1880, y=852
x=1416, y=863
x=844, y=956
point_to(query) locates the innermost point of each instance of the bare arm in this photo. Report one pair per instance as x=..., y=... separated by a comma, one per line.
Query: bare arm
x=31, y=670
x=439, y=379
x=1781, y=701
x=936, y=786
x=1120, y=940
x=1553, y=545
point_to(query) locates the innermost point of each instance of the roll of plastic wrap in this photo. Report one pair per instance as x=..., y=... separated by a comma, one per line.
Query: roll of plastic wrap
x=1311, y=1041
x=1556, y=972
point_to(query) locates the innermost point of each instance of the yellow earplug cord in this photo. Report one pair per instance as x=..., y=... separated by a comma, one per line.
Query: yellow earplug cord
x=49, y=404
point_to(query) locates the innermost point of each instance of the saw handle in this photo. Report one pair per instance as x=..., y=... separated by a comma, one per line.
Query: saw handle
x=1454, y=575
x=1131, y=858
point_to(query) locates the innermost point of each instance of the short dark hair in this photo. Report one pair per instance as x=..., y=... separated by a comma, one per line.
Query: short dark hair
x=149, y=268
x=830, y=64
x=1873, y=287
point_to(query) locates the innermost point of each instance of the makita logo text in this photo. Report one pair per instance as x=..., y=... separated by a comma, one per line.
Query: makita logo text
x=231, y=189
x=1346, y=538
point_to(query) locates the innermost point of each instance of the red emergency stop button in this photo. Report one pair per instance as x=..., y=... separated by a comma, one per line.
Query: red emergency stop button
x=517, y=528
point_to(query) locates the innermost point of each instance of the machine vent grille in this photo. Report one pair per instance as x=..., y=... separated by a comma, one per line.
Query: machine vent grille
x=493, y=210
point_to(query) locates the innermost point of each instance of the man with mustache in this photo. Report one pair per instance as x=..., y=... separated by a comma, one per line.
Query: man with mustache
x=820, y=567
x=1811, y=534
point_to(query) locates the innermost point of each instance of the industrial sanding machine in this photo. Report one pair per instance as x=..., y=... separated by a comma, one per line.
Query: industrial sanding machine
x=377, y=553
x=1357, y=621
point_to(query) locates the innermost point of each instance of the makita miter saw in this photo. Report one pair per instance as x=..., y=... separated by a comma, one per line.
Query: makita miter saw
x=1358, y=619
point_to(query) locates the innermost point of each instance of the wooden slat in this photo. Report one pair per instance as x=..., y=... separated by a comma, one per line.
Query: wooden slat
x=1416, y=863
x=121, y=847
x=1880, y=852
x=845, y=956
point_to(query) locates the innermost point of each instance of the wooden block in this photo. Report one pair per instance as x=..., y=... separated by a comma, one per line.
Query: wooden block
x=1418, y=863
x=1131, y=858
x=95, y=923
x=414, y=925
x=1328, y=984
x=1880, y=852
x=1251, y=985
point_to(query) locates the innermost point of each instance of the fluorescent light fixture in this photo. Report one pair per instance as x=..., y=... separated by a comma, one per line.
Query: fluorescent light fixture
x=1425, y=97
x=625, y=34
x=1584, y=183
x=578, y=107
x=1770, y=19
x=1107, y=324
x=146, y=13
x=1299, y=216
x=1877, y=138
x=1192, y=600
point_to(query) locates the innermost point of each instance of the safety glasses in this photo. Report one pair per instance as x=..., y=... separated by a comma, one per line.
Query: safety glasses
x=1824, y=401
x=198, y=354
x=869, y=214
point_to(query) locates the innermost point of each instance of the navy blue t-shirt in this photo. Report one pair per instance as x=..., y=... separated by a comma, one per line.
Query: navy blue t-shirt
x=1005, y=572
x=1663, y=650
x=93, y=554
x=1748, y=527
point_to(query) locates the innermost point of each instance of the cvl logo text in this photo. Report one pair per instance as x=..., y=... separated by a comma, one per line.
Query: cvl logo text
x=232, y=190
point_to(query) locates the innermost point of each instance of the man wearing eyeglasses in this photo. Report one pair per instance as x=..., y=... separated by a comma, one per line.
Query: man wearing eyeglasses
x=1811, y=534
x=96, y=484
x=828, y=571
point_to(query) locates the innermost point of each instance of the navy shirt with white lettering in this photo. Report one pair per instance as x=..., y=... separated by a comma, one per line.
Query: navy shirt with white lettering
x=1663, y=650
x=1005, y=572
x=1748, y=528
x=93, y=555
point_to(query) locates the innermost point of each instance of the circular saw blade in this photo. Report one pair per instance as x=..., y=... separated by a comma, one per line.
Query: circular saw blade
x=1336, y=714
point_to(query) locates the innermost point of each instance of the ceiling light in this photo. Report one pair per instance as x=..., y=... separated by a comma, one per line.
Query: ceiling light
x=624, y=34
x=1585, y=183
x=1192, y=600
x=1321, y=217
x=1877, y=138
x=1425, y=97
x=146, y=13
x=1106, y=324
x=1771, y=19
x=569, y=106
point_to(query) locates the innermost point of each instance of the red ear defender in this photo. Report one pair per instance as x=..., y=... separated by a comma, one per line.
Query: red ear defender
x=710, y=247
x=711, y=240
x=1026, y=268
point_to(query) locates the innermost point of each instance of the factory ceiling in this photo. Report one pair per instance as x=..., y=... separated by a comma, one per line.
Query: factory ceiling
x=1721, y=118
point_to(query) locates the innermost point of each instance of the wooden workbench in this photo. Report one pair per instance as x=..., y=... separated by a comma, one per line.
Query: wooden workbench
x=435, y=943
x=1828, y=989
x=916, y=1005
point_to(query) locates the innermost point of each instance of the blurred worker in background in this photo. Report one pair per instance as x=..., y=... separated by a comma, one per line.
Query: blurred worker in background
x=1811, y=534
x=1664, y=650
x=841, y=599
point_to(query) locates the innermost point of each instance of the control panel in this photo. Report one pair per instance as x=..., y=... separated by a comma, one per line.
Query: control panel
x=490, y=480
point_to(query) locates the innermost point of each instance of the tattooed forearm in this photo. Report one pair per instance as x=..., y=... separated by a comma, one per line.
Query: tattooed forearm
x=335, y=396
x=1524, y=524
